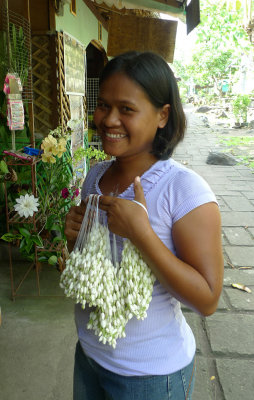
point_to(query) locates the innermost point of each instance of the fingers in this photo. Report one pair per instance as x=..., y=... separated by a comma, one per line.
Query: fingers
x=105, y=202
x=73, y=221
x=138, y=190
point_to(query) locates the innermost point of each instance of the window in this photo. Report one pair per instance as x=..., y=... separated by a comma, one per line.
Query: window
x=99, y=31
x=73, y=7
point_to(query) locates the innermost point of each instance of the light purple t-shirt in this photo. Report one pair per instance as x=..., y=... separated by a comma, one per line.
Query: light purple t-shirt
x=162, y=343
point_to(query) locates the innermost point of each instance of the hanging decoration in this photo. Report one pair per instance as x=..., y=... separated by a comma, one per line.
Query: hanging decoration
x=15, y=109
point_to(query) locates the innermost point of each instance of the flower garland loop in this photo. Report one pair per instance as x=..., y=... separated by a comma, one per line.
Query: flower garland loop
x=116, y=293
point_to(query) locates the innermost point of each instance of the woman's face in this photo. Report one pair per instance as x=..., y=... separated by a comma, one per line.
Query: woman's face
x=125, y=118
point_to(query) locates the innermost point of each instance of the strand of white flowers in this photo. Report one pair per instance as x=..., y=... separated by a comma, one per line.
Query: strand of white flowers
x=117, y=294
x=110, y=322
x=83, y=227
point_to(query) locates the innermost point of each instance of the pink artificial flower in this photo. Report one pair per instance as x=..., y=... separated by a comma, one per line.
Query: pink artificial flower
x=65, y=193
x=75, y=193
x=6, y=88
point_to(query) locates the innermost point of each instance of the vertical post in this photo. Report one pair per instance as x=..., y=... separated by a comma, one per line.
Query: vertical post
x=13, y=146
x=8, y=33
x=30, y=104
x=9, y=61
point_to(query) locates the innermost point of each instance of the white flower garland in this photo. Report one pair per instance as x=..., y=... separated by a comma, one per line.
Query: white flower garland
x=117, y=293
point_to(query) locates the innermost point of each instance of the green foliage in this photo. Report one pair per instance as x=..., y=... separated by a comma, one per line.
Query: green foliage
x=3, y=58
x=220, y=45
x=240, y=107
x=27, y=241
x=215, y=67
x=3, y=167
x=89, y=153
x=11, y=237
x=19, y=54
x=52, y=179
x=18, y=59
x=221, y=27
x=238, y=140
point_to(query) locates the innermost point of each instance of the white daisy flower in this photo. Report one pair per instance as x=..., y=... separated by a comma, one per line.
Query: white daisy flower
x=26, y=205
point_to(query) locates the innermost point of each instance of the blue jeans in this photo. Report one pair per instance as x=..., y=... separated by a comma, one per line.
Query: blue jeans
x=93, y=382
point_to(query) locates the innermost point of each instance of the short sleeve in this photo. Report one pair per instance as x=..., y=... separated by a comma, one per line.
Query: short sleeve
x=188, y=191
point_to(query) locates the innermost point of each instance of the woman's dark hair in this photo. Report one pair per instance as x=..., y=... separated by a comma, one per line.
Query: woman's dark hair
x=153, y=74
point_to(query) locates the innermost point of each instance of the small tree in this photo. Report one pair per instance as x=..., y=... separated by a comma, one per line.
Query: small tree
x=221, y=43
x=240, y=108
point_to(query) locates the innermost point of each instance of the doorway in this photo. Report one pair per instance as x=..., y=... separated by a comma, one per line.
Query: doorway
x=96, y=59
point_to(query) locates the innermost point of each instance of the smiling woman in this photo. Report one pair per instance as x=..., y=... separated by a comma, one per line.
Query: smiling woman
x=140, y=119
x=125, y=118
x=152, y=75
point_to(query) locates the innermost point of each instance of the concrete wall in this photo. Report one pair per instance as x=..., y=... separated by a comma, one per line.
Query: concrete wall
x=83, y=26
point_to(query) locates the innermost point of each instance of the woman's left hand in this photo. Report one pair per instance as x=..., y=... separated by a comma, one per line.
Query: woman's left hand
x=126, y=218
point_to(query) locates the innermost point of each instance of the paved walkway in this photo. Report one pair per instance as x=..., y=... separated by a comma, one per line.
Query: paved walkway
x=37, y=336
x=225, y=340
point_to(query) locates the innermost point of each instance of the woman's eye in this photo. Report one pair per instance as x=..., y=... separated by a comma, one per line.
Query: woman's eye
x=102, y=105
x=127, y=109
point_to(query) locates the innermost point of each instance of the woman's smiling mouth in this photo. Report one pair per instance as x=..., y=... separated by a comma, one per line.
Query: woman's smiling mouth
x=115, y=136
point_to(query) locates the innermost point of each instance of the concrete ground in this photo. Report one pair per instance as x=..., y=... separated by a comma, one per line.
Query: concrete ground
x=37, y=335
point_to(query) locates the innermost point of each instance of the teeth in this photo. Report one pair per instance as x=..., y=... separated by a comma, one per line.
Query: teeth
x=114, y=136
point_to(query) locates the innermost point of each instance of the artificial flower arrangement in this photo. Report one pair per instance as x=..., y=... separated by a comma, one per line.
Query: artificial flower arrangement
x=57, y=189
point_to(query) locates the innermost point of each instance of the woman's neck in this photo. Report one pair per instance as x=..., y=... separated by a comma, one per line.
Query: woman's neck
x=133, y=166
x=122, y=172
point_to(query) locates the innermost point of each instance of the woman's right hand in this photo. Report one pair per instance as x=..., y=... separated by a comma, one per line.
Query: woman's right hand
x=73, y=223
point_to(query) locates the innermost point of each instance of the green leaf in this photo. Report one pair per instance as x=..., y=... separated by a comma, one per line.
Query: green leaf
x=29, y=246
x=55, y=227
x=29, y=257
x=57, y=239
x=22, y=244
x=52, y=260
x=25, y=232
x=3, y=167
x=37, y=240
x=50, y=221
x=43, y=259
x=10, y=237
x=4, y=135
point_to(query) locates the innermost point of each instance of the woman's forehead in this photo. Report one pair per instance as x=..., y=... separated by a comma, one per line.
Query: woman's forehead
x=119, y=84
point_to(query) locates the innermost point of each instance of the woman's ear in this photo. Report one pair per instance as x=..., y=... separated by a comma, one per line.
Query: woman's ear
x=164, y=115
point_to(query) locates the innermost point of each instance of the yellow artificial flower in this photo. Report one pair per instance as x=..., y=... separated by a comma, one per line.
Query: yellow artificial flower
x=52, y=148
x=48, y=158
x=61, y=147
x=49, y=145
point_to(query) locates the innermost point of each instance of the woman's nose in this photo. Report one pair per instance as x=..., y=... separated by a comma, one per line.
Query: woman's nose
x=111, y=118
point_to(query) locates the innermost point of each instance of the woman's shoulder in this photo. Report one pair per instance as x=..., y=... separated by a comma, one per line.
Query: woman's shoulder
x=172, y=172
x=189, y=175
x=182, y=189
x=171, y=176
x=177, y=175
x=99, y=166
x=92, y=175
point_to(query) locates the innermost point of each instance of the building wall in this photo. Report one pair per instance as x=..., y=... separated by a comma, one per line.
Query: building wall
x=83, y=26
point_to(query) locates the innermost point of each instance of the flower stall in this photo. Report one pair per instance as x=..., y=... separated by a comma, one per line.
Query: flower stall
x=35, y=214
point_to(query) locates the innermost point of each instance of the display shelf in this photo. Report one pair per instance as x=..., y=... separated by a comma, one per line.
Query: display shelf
x=15, y=158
